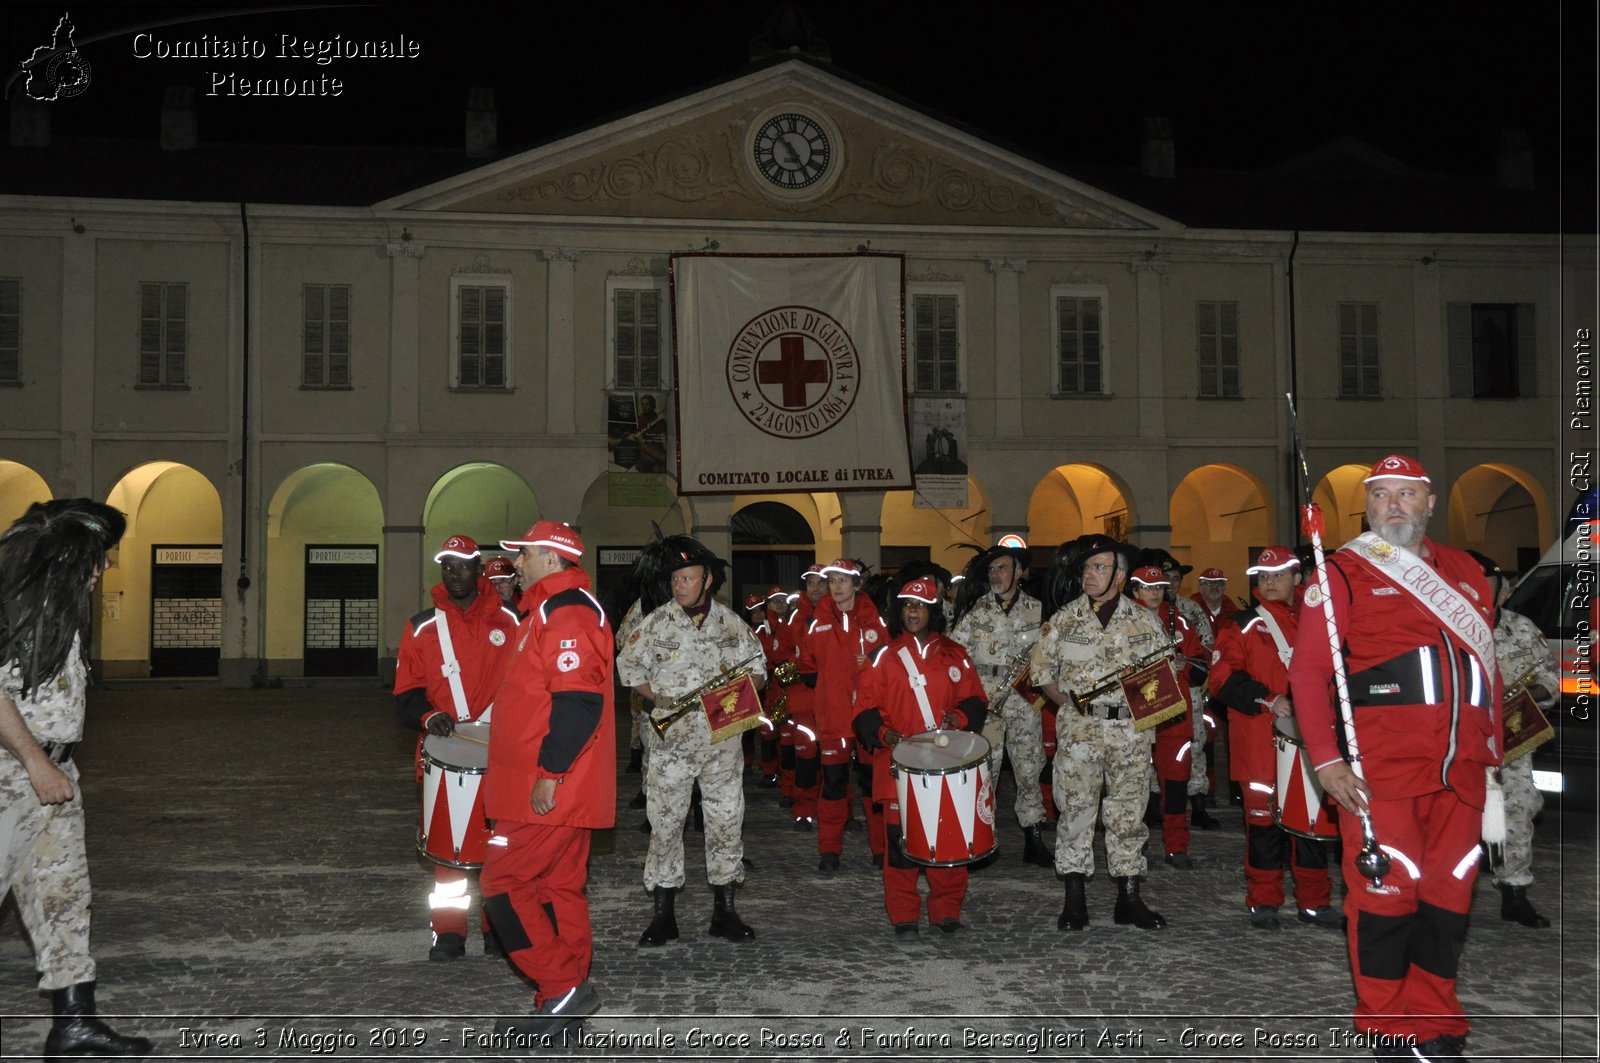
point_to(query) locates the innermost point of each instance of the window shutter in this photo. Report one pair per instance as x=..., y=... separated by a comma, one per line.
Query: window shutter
x=10, y=330
x=1527, y=353
x=1458, y=332
x=177, y=319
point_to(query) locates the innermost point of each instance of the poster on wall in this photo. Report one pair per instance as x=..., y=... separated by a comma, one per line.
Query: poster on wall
x=939, y=443
x=639, y=444
x=794, y=368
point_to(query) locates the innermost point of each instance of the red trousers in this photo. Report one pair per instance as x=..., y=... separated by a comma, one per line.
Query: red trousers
x=1405, y=945
x=946, y=885
x=451, y=900
x=533, y=887
x=1173, y=739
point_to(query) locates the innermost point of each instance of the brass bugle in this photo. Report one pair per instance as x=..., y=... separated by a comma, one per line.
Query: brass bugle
x=683, y=704
x=1107, y=683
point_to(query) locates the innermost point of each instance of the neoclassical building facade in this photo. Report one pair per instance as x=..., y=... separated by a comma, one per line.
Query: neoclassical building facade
x=296, y=396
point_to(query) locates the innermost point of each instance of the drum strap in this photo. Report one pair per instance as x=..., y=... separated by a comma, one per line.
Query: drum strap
x=1271, y=624
x=919, y=688
x=451, y=668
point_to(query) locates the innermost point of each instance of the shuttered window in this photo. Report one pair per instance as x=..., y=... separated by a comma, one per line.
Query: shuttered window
x=1079, y=359
x=10, y=331
x=936, y=342
x=1492, y=355
x=163, y=334
x=638, y=361
x=1358, y=351
x=325, y=331
x=481, y=323
x=1217, y=349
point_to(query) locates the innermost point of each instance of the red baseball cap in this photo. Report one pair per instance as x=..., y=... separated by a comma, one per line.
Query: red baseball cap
x=1397, y=467
x=550, y=534
x=1273, y=559
x=1214, y=573
x=814, y=570
x=922, y=590
x=500, y=568
x=1150, y=576
x=754, y=600
x=461, y=546
x=843, y=565
x=776, y=591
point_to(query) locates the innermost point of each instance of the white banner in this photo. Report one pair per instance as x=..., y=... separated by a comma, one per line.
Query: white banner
x=790, y=373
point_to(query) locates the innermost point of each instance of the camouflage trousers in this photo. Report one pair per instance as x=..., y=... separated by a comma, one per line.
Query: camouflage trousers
x=1016, y=727
x=1199, y=781
x=1091, y=752
x=688, y=754
x=1523, y=802
x=43, y=862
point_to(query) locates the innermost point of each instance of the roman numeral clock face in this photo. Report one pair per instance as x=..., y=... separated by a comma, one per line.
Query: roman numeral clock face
x=792, y=151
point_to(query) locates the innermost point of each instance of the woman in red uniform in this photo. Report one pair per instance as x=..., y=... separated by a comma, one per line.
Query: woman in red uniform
x=918, y=682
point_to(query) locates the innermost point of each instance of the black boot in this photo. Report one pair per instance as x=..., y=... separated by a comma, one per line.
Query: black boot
x=76, y=1032
x=635, y=761
x=1516, y=908
x=1075, y=914
x=1152, y=811
x=1033, y=848
x=725, y=922
x=664, y=927
x=1131, y=907
x=1198, y=816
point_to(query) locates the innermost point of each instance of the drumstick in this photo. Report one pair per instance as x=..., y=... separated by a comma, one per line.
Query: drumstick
x=940, y=739
x=467, y=738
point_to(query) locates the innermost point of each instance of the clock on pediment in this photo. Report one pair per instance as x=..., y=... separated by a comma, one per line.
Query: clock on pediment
x=794, y=151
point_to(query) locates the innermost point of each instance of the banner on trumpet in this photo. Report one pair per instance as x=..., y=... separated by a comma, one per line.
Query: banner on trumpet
x=1527, y=728
x=1154, y=694
x=733, y=708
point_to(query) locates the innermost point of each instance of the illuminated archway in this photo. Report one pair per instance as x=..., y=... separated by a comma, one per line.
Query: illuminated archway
x=20, y=487
x=947, y=534
x=1219, y=512
x=1343, y=500
x=1502, y=511
x=486, y=501
x=615, y=523
x=161, y=601
x=324, y=518
x=1074, y=500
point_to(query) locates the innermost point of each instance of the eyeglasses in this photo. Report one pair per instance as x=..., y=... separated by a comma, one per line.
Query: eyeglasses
x=1098, y=566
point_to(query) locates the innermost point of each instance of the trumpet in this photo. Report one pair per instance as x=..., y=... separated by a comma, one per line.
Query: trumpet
x=787, y=674
x=1513, y=689
x=684, y=704
x=1107, y=683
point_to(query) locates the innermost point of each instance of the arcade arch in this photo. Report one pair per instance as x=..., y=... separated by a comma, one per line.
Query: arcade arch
x=482, y=499
x=20, y=487
x=774, y=540
x=1502, y=511
x=1218, y=513
x=614, y=526
x=1074, y=500
x=161, y=599
x=946, y=535
x=1343, y=501
x=323, y=573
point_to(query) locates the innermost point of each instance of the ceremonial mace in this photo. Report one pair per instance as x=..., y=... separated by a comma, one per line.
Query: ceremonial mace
x=1371, y=861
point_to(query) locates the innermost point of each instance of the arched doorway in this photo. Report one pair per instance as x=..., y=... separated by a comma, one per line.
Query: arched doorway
x=161, y=601
x=486, y=501
x=1074, y=500
x=324, y=573
x=1343, y=500
x=948, y=537
x=616, y=524
x=20, y=487
x=1220, y=519
x=1501, y=511
x=773, y=542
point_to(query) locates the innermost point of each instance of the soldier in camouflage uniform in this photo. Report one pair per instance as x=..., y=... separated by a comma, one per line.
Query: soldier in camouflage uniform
x=676, y=648
x=998, y=629
x=1522, y=652
x=50, y=560
x=1086, y=642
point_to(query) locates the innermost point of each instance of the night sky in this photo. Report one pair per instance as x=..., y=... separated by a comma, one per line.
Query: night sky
x=1244, y=85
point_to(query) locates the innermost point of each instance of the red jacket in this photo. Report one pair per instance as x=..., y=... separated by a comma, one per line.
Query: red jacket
x=1409, y=746
x=829, y=649
x=482, y=637
x=886, y=699
x=553, y=715
x=1246, y=672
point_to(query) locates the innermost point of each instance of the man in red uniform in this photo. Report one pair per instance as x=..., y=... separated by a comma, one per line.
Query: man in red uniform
x=1174, y=737
x=503, y=574
x=1250, y=675
x=451, y=660
x=766, y=616
x=1416, y=618
x=552, y=780
x=918, y=682
x=807, y=777
x=845, y=629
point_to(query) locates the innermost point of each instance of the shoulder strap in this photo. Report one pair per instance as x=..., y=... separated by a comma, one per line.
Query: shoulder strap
x=450, y=667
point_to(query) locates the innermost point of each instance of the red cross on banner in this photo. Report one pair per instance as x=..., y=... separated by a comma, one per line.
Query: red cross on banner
x=793, y=370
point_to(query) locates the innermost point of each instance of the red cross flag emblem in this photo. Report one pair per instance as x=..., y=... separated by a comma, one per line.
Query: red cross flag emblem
x=793, y=371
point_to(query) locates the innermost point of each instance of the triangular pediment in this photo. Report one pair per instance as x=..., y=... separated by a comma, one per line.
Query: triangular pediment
x=870, y=160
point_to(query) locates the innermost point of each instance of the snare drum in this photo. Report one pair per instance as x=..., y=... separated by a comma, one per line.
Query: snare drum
x=946, y=797
x=454, y=831
x=1298, y=804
